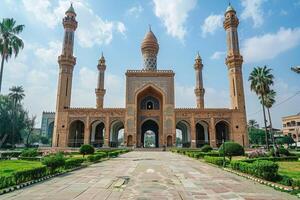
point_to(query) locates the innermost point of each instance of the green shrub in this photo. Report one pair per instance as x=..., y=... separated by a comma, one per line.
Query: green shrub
x=86, y=149
x=296, y=183
x=206, y=148
x=73, y=162
x=6, y=181
x=274, y=159
x=53, y=162
x=30, y=174
x=216, y=160
x=265, y=169
x=29, y=153
x=113, y=154
x=232, y=149
x=286, y=180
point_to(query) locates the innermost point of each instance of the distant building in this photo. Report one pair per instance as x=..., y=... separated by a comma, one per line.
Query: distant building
x=291, y=126
x=47, y=124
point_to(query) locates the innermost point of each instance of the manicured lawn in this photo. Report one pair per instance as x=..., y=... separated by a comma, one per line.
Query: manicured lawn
x=291, y=169
x=9, y=166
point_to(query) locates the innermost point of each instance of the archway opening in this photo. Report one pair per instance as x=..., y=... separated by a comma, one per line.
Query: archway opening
x=150, y=134
x=129, y=141
x=183, y=137
x=202, y=135
x=97, y=134
x=169, y=141
x=116, y=134
x=222, y=132
x=76, y=134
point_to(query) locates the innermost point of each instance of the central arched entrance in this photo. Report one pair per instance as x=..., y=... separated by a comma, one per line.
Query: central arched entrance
x=149, y=136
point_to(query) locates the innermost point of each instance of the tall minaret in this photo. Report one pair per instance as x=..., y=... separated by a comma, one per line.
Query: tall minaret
x=150, y=49
x=199, y=90
x=234, y=60
x=100, y=91
x=66, y=61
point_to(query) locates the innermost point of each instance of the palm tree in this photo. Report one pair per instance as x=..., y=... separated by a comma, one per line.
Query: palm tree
x=10, y=43
x=268, y=103
x=17, y=94
x=252, y=123
x=296, y=69
x=261, y=79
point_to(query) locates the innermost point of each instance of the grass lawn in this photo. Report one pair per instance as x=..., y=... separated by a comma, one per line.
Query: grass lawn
x=291, y=169
x=9, y=166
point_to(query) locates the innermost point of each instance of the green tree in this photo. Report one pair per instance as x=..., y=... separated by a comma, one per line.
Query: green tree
x=260, y=81
x=17, y=95
x=10, y=43
x=256, y=136
x=268, y=103
x=11, y=115
x=252, y=123
x=29, y=128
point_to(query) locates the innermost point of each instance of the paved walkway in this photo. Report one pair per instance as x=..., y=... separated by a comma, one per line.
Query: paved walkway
x=148, y=175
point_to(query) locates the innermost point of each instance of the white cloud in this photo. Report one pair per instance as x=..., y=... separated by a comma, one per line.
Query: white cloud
x=50, y=53
x=253, y=10
x=173, y=14
x=211, y=24
x=92, y=29
x=270, y=45
x=217, y=55
x=135, y=11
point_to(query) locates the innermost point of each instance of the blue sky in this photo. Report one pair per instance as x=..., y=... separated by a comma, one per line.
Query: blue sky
x=269, y=34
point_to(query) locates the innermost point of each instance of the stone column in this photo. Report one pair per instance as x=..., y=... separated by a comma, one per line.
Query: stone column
x=193, y=132
x=87, y=134
x=107, y=132
x=212, y=133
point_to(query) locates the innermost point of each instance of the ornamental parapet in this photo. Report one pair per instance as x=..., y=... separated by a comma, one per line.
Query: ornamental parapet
x=150, y=73
x=66, y=60
x=234, y=60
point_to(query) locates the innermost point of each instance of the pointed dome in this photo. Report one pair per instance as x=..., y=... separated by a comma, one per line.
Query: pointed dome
x=150, y=43
x=71, y=10
x=230, y=8
x=198, y=57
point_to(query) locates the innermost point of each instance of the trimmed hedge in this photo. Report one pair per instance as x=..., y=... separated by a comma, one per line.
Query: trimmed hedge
x=216, y=160
x=28, y=175
x=265, y=169
x=96, y=157
x=54, y=162
x=6, y=181
x=232, y=149
x=198, y=154
x=86, y=149
x=73, y=162
x=206, y=148
x=274, y=159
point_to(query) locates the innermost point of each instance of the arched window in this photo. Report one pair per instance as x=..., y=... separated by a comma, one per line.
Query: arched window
x=149, y=103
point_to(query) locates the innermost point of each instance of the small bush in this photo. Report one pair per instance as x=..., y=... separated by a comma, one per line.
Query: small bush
x=86, y=149
x=206, y=148
x=10, y=154
x=73, y=162
x=232, y=149
x=29, y=153
x=216, y=160
x=53, y=162
x=113, y=154
x=285, y=180
x=274, y=159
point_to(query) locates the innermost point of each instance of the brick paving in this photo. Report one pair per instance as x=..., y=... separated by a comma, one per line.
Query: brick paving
x=148, y=175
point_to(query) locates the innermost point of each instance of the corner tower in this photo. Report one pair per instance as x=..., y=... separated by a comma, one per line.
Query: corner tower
x=234, y=60
x=149, y=50
x=199, y=90
x=66, y=63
